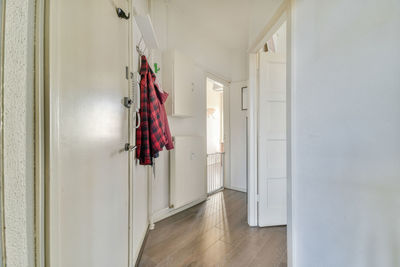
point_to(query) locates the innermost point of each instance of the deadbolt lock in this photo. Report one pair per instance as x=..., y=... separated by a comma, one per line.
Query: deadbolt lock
x=128, y=102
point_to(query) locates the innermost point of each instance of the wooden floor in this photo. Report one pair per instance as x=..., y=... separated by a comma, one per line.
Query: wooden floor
x=215, y=233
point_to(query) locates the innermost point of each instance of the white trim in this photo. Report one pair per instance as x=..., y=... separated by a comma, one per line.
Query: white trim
x=227, y=125
x=218, y=78
x=149, y=171
x=3, y=255
x=131, y=137
x=290, y=93
x=167, y=212
x=52, y=105
x=252, y=217
x=227, y=135
x=40, y=211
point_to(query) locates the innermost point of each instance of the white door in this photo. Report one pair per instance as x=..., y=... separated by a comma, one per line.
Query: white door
x=88, y=194
x=272, y=178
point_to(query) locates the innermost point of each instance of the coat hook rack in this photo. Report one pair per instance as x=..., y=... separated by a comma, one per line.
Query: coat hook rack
x=121, y=14
x=138, y=49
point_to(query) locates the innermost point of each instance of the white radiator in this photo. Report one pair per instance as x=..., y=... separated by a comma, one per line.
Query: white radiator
x=187, y=171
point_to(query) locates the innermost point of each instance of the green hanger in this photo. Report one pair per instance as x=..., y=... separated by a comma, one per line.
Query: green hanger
x=156, y=68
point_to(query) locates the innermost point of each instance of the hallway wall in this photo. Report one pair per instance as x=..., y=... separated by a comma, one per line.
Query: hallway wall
x=172, y=33
x=346, y=145
x=261, y=12
x=174, y=30
x=238, y=179
x=18, y=150
x=193, y=126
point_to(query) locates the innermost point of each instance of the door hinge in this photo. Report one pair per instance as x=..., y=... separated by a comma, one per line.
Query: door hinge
x=258, y=198
x=127, y=72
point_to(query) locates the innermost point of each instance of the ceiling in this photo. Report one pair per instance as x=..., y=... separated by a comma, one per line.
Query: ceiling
x=223, y=21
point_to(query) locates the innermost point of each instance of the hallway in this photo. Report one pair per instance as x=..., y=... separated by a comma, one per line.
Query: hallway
x=214, y=233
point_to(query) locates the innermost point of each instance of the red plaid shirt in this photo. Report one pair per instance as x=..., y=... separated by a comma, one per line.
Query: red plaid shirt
x=150, y=136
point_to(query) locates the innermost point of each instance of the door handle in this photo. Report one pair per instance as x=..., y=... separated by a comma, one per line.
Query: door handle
x=138, y=120
x=129, y=147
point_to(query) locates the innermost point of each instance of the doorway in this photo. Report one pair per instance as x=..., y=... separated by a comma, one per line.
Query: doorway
x=215, y=136
x=269, y=184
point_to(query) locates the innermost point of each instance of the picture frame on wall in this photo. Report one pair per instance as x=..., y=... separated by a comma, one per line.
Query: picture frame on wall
x=245, y=98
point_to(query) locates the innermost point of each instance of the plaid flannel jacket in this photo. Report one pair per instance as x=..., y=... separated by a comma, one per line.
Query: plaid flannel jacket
x=153, y=133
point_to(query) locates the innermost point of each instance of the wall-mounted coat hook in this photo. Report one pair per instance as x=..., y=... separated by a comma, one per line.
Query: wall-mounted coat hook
x=122, y=14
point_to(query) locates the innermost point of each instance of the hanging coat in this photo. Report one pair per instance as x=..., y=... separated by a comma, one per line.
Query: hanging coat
x=152, y=134
x=162, y=97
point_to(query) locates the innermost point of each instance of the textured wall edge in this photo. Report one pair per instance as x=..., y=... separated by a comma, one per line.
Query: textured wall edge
x=19, y=133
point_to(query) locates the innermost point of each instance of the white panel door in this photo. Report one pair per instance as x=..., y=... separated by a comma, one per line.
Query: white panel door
x=272, y=178
x=88, y=52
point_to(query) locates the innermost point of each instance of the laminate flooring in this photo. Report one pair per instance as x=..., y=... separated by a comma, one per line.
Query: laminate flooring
x=214, y=233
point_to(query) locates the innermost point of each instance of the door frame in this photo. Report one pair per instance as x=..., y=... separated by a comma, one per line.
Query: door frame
x=282, y=14
x=2, y=215
x=227, y=127
x=41, y=103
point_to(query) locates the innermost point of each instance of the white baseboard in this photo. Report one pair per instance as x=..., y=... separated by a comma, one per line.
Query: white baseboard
x=167, y=212
x=236, y=189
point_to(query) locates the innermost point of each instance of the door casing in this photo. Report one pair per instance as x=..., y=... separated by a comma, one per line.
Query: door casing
x=283, y=13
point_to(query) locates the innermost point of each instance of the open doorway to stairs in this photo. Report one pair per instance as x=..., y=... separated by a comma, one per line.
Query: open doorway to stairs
x=215, y=136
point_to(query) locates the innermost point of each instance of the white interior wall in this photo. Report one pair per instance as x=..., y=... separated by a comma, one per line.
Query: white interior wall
x=182, y=35
x=261, y=12
x=346, y=145
x=176, y=30
x=18, y=150
x=193, y=126
x=238, y=179
x=172, y=33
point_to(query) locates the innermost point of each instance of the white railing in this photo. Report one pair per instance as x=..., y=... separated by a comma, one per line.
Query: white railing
x=215, y=172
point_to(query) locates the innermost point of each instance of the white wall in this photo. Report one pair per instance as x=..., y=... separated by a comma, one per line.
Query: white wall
x=182, y=35
x=172, y=34
x=261, y=12
x=238, y=138
x=18, y=133
x=176, y=30
x=195, y=125
x=346, y=145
